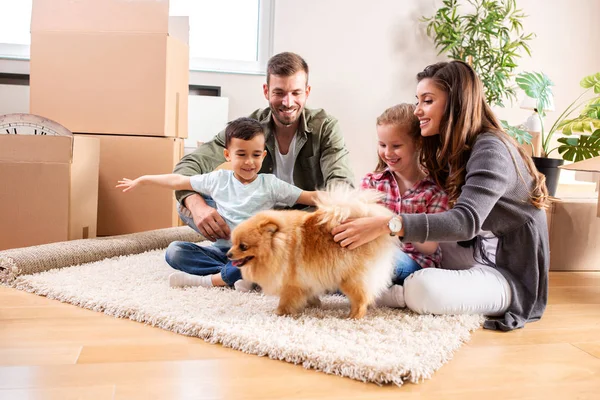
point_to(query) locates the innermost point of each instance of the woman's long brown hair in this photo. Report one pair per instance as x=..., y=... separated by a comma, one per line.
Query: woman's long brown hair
x=467, y=115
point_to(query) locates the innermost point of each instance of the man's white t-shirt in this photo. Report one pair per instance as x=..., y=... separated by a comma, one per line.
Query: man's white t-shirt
x=284, y=163
x=237, y=202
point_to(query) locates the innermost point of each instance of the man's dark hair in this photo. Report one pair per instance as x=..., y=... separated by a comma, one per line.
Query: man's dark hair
x=286, y=64
x=242, y=128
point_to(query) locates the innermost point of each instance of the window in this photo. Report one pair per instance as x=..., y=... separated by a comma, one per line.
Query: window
x=15, y=20
x=225, y=35
x=228, y=35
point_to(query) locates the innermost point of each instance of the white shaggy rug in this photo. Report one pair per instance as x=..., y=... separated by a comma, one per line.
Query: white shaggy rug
x=387, y=346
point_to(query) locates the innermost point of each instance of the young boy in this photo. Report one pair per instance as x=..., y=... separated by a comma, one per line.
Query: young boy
x=238, y=194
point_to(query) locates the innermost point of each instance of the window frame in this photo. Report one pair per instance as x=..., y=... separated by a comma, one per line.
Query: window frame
x=12, y=51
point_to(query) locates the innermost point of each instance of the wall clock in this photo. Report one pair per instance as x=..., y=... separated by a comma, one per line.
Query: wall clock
x=31, y=124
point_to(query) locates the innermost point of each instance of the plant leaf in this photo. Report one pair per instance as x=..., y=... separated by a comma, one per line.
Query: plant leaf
x=580, y=148
x=592, y=110
x=489, y=36
x=591, y=81
x=581, y=124
x=520, y=135
x=536, y=85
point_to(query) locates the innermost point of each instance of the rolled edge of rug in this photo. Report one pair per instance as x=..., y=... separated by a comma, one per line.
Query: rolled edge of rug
x=30, y=260
x=8, y=270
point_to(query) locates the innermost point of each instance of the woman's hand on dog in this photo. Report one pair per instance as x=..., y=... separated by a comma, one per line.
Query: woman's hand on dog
x=356, y=232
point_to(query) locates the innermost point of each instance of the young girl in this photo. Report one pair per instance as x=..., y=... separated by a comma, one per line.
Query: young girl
x=407, y=189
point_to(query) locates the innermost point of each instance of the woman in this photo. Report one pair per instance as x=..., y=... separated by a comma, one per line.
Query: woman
x=492, y=186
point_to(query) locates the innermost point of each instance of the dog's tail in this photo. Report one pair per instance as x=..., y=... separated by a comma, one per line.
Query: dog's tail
x=340, y=202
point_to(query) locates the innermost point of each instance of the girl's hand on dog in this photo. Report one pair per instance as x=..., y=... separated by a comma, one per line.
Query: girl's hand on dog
x=356, y=232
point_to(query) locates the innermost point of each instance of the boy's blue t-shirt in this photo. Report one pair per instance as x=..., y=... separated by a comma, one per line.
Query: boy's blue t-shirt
x=237, y=202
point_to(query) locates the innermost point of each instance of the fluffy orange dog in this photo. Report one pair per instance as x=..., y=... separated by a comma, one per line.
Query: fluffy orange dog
x=292, y=253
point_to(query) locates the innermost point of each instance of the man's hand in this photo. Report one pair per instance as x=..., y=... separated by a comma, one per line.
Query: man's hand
x=209, y=222
x=356, y=232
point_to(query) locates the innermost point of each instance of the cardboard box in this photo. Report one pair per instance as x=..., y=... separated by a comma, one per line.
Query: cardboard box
x=150, y=16
x=534, y=149
x=83, y=196
x=49, y=189
x=145, y=208
x=590, y=165
x=574, y=235
x=111, y=83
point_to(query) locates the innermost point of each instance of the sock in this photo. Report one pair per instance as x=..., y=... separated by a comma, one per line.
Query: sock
x=392, y=297
x=180, y=279
x=243, y=285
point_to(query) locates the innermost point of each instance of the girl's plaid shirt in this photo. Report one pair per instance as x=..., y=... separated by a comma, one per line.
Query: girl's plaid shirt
x=424, y=197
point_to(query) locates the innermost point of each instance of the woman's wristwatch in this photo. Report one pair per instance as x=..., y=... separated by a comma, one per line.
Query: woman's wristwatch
x=395, y=225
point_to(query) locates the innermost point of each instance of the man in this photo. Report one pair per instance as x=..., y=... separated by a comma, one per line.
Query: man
x=304, y=147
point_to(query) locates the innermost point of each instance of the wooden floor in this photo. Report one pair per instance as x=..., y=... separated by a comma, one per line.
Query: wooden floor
x=50, y=350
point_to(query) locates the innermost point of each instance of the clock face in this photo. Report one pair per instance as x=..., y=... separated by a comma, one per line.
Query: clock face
x=30, y=124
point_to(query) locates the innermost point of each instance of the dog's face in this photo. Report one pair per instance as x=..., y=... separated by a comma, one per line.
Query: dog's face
x=251, y=242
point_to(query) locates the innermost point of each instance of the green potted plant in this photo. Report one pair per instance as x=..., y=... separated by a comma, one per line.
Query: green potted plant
x=584, y=145
x=489, y=39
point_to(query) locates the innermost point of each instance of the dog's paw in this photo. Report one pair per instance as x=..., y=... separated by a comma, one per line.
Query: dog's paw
x=358, y=312
x=288, y=309
x=281, y=311
x=314, y=302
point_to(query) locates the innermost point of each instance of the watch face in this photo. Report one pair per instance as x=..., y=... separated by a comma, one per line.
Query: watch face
x=395, y=225
x=30, y=124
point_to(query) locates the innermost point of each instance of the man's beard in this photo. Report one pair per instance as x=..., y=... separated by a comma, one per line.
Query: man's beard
x=284, y=122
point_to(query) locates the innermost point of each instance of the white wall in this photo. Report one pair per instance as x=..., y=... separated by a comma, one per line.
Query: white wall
x=356, y=70
x=14, y=99
x=567, y=35
x=364, y=56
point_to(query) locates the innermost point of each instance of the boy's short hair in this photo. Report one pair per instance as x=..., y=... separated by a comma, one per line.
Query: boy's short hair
x=242, y=128
x=286, y=64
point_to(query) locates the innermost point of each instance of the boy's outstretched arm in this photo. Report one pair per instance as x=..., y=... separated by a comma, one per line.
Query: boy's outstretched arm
x=170, y=181
x=307, y=198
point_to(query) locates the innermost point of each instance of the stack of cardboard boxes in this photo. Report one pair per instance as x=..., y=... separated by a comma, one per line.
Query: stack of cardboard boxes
x=574, y=230
x=110, y=70
x=49, y=189
x=574, y=225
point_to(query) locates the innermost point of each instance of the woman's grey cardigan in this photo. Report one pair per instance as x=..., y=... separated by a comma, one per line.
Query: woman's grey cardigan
x=495, y=197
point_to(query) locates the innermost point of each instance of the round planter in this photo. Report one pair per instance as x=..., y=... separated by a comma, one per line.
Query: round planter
x=549, y=167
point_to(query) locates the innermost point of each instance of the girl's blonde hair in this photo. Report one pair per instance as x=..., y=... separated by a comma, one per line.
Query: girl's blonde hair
x=467, y=116
x=400, y=115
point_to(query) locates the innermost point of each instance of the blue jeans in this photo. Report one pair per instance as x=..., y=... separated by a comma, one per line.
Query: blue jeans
x=202, y=260
x=404, y=266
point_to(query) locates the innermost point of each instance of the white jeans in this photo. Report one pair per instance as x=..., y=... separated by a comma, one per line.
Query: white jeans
x=478, y=290
x=467, y=287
